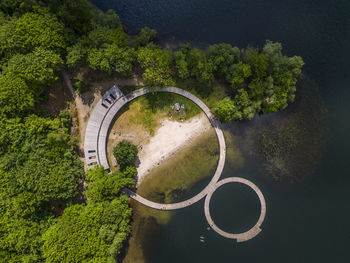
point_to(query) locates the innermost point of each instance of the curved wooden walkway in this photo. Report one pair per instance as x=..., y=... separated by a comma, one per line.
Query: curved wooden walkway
x=97, y=135
x=255, y=230
x=95, y=146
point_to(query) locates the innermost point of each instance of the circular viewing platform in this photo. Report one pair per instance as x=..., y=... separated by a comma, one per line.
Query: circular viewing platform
x=95, y=149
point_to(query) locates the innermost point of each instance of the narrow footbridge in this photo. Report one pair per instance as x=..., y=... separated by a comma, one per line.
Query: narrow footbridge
x=95, y=149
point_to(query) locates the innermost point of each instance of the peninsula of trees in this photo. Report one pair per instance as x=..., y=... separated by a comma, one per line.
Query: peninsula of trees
x=44, y=216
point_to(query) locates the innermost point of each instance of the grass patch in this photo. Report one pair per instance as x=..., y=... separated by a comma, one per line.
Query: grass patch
x=209, y=95
x=147, y=111
x=162, y=101
x=141, y=118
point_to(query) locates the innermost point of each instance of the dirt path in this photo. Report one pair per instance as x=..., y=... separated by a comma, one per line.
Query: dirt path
x=86, y=102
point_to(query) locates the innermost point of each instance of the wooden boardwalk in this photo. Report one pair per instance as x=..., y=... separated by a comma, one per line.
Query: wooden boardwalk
x=255, y=230
x=102, y=119
x=95, y=146
x=95, y=141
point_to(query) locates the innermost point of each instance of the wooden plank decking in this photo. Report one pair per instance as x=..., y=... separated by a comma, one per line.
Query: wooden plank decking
x=95, y=148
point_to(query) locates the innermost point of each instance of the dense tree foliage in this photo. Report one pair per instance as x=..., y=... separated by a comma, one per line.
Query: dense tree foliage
x=23, y=34
x=105, y=219
x=104, y=187
x=15, y=96
x=111, y=58
x=24, y=77
x=223, y=56
x=39, y=173
x=76, y=15
x=194, y=63
x=125, y=153
x=238, y=73
x=16, y=7
x=108, y=20
x=43, y=215
x=226, y=110
x=264, y=81
x=106, y=49
x=88, y=233
x=157, y=66
x=145, y=37
x=39, y=170
x=38, y=68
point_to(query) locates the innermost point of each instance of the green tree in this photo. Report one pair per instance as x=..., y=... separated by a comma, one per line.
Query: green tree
x=20, y=239
x=109, y=19
x=225, y=110
x=104, y=48
x=130, y=171
x=145, y=37
x=240, y=108
x=15, y=96
x=200, y=67
x=181, y=64
x=284, y=72
x=38, y=165
x=15, y=7
x=23, y=34
x=91, y=233
x=112, y=58
x=157, y=66
x=244, y=104
x=104, y=186
x=257, y=62
x=39, y=175
x=38, y=68
x=125, y=153
x=223, y=56
x=239, y=72
x=3, y=18
x=77, y=55
x=103, y=35
x=76, y=15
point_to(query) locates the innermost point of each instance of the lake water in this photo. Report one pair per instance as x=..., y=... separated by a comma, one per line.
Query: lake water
x=307, y=223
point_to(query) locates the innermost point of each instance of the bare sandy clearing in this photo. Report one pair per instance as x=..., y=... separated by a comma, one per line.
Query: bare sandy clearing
x=168, y=140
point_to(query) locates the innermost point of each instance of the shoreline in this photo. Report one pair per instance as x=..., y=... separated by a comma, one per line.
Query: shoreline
x=174, y=136
x=167, y=183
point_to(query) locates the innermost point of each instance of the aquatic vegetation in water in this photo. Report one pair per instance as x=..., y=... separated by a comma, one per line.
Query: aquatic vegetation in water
x=168, y=182
x=293, y=142
x=234, y=156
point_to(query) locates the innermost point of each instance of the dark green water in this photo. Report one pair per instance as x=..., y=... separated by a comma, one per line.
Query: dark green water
x=305, y=223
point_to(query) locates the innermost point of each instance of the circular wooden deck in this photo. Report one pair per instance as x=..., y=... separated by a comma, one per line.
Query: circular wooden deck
x=241, y=236
x=95, y=148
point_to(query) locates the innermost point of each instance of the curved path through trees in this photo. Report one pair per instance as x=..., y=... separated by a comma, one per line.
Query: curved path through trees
x=96, y=136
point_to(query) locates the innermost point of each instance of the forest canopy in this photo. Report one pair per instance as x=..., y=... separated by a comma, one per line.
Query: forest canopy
x=45, y=213
x=40, y=173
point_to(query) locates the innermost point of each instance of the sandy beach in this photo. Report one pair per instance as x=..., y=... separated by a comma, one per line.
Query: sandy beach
x=168, y=141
